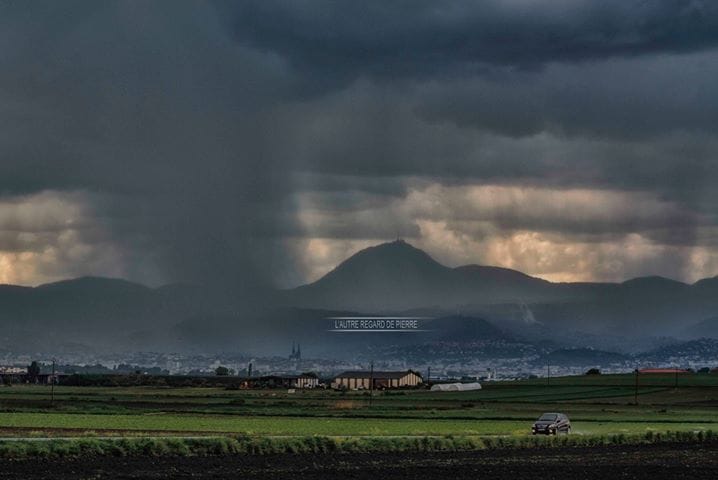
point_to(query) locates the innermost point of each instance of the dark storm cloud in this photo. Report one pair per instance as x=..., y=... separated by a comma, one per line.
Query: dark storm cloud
x=209, y=138
x=617, y=98
x=367, y=135
x=595, y=68
x=348, y=39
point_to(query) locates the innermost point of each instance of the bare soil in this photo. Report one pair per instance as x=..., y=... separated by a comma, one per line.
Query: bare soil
x=653, y=462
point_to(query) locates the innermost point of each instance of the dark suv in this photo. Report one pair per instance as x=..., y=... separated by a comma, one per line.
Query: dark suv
x=551, y=424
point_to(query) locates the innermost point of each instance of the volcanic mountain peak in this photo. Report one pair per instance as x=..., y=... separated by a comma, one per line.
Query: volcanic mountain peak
x=389, y=256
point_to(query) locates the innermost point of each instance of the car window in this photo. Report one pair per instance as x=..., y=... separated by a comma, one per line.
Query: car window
x=548, y=417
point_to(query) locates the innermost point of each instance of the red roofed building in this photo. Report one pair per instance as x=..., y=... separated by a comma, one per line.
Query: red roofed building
x=663, y=370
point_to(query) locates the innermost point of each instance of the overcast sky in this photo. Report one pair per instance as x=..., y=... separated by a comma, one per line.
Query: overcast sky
x=262, y=142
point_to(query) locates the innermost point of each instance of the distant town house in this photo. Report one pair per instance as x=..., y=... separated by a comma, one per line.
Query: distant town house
x=12, y=374
x=5, y=370
x=362, y=380
x=304, y=380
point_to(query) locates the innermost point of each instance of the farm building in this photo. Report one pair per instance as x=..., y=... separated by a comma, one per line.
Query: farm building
x=356, y=380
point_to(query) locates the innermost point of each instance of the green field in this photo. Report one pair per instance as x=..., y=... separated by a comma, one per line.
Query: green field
x=596, y=405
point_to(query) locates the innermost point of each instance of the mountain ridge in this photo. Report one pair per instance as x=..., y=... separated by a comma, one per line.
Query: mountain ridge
x=386, y=278
x=382, y=277
x=470, y=266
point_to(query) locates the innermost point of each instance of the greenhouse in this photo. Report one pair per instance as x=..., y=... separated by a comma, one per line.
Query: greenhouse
x=455, y=387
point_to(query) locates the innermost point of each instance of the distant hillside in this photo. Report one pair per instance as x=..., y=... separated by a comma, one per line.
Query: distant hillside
x=459, y=328
x=679, y=354
x=707, y=328
x=581, y=356
x=103, y=313
x=278, y=328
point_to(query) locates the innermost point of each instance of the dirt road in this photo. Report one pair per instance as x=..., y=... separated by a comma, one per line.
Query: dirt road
x=652, y=462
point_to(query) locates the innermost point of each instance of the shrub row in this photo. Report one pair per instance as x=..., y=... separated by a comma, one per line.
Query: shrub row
x=308, y=445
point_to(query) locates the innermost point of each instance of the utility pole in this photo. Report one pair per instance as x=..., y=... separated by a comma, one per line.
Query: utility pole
x=635, y=390
x=428, y=377
x=548, y=372
x=371, y=383
x=52, y=384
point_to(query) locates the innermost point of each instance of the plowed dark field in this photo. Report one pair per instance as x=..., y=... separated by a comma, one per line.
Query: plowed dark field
x=612, y=462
